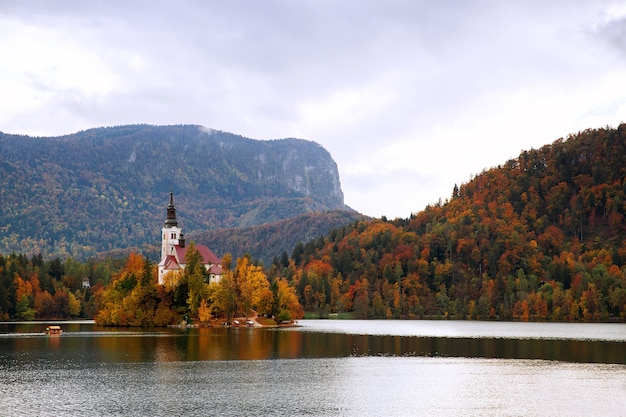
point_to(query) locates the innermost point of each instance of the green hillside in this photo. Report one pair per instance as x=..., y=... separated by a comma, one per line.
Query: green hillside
x=105, y=189
x=265, y=242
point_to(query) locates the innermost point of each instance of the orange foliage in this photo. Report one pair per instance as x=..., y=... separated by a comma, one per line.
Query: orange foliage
x=319, y=268
x=135, y=264
x=23, y=288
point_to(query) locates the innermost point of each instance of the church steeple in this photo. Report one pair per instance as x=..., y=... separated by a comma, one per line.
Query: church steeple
x=171, y=221
x=173, y=251
x=171, y=233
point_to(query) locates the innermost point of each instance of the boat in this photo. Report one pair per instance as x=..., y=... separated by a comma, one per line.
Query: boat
x=53, y=330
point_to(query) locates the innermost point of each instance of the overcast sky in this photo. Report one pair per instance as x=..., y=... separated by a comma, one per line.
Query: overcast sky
x=409, y=97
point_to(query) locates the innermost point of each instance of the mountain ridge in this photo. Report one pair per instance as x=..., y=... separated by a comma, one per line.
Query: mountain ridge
x=106, y=188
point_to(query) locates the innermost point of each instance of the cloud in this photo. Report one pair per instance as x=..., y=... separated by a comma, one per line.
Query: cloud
x=410, y=97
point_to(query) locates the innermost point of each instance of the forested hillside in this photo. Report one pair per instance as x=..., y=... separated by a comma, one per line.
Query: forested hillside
x=541, y=237
x=265, y=242
x=106, y=189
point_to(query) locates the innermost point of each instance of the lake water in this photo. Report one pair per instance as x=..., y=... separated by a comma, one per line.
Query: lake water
x=322, y=368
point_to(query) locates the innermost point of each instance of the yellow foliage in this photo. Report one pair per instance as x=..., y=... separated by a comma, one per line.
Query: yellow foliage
x=204, y=312
x=170, y=279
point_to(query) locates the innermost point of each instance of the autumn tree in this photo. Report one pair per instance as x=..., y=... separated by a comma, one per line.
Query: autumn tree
x=194, y=277
x=24, y=297
x=133, y=299
x=252, y=286
x=223, y=294
x=287, y=306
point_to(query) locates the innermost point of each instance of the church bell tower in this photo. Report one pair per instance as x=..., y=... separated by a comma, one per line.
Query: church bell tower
x=171, y=233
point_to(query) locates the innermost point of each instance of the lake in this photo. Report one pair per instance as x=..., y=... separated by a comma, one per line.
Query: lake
x=320, y=368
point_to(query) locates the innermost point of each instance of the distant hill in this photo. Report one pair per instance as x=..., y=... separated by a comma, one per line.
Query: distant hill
x=106, y=189
x=271, y=240
x=541, y=237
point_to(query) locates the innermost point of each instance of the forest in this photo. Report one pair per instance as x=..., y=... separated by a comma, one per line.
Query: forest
x=134, y=299
x=541, y=237
x=34, y=288
x=124, y=292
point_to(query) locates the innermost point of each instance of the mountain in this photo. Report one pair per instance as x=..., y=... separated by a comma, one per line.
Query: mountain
x=541, y=237
x=106, y=189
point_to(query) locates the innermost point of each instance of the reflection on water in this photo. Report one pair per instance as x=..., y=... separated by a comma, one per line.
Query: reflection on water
x=324, y=368
x=87, y=343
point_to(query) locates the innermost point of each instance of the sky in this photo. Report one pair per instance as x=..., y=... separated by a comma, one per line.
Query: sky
x=409, y=97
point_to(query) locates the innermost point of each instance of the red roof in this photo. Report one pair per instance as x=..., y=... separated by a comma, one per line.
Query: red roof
x=170, y=263
x=216, y=269
x=208, y=257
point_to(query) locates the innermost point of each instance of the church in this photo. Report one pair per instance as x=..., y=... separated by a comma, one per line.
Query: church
x=173, y=251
